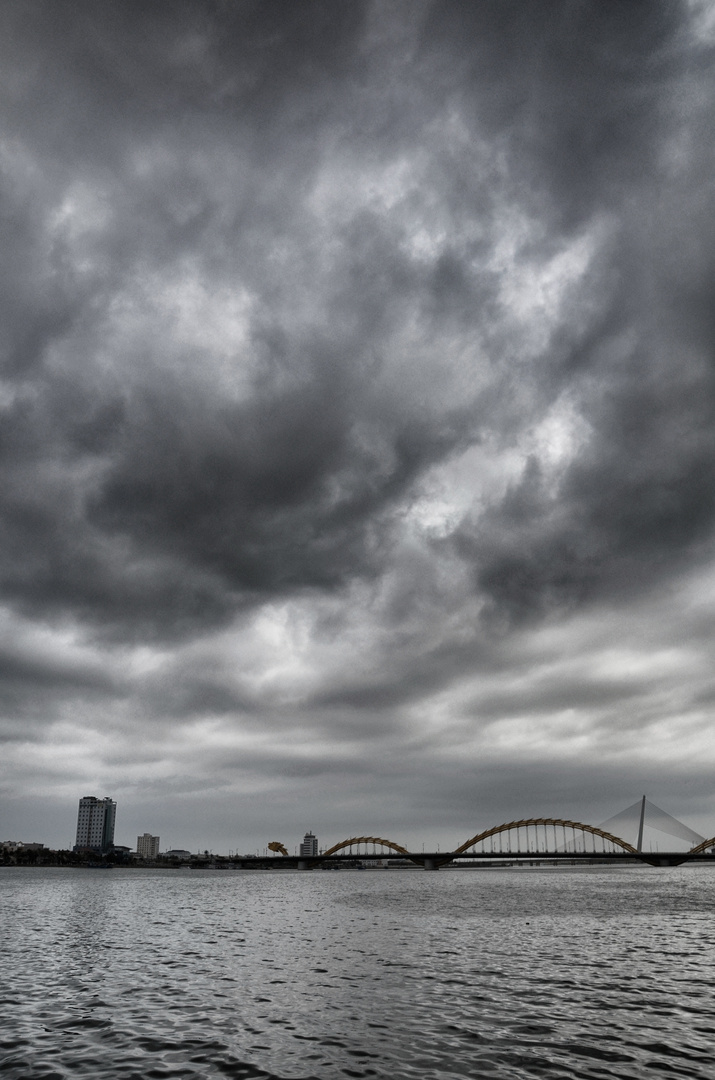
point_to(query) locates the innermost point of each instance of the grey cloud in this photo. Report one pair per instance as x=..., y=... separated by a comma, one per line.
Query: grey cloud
x=550, y=698
x=635, y=506
x=38, y=672
x=578, y=92
x=187, y=694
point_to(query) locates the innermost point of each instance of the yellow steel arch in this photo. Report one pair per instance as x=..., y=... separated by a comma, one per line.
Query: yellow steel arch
x=280, y=849
x=704, y=846
x=545, y=821
x=366, y=840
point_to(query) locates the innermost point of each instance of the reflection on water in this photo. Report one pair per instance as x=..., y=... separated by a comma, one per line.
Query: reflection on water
x=505, y=973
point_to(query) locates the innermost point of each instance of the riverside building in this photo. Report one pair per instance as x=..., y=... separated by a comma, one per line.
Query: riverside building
x=309, y=845
x=95, y=824
x=147, y=846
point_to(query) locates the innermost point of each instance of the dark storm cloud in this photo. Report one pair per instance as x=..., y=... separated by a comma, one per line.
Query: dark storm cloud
x=214, y=500
x=596, y=131
x=220, y=502
x=637, y=504
x=578, y=93
x=20, y=669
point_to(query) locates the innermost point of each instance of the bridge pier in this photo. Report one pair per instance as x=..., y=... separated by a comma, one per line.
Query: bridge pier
x=303, y=864
x=664, y=860
x=431, y=864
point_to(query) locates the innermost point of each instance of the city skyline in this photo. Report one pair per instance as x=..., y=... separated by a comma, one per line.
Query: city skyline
x=357, y=466
x=644, y=825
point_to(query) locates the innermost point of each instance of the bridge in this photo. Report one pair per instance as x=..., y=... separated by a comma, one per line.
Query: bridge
x=527, y=840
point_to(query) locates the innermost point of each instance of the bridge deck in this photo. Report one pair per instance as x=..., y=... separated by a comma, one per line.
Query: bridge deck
x=441, y=858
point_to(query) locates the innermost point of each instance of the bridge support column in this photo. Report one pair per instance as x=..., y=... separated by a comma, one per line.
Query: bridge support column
x=431, y=864
x=303, y=864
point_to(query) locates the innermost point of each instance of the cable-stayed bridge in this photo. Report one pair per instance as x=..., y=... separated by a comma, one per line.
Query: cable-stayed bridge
x=528, y=840
x=647, y=816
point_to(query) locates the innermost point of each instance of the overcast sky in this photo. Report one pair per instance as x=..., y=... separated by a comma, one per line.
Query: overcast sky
x=357, y=447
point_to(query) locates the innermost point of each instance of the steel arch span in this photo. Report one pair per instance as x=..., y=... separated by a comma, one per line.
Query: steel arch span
x=357, y=840
x=702, y=848
x=525, y=823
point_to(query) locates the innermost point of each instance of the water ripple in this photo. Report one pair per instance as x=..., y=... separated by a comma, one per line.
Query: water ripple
x=312, y=976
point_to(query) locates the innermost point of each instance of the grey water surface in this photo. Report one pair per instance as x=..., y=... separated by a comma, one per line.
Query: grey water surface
x=496, y=973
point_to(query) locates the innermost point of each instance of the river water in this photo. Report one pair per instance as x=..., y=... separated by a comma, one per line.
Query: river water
x=497, y=973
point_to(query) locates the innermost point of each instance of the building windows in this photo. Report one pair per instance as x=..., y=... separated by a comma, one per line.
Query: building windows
x=309, y=845
x=95, y=824
x=147, y=846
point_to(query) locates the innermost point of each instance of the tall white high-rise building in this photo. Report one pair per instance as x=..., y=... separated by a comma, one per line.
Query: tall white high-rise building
x=309, y=845
x=147, y=846
x=95, y=824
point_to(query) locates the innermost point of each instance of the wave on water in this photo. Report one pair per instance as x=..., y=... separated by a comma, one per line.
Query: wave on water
x=310, y=976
